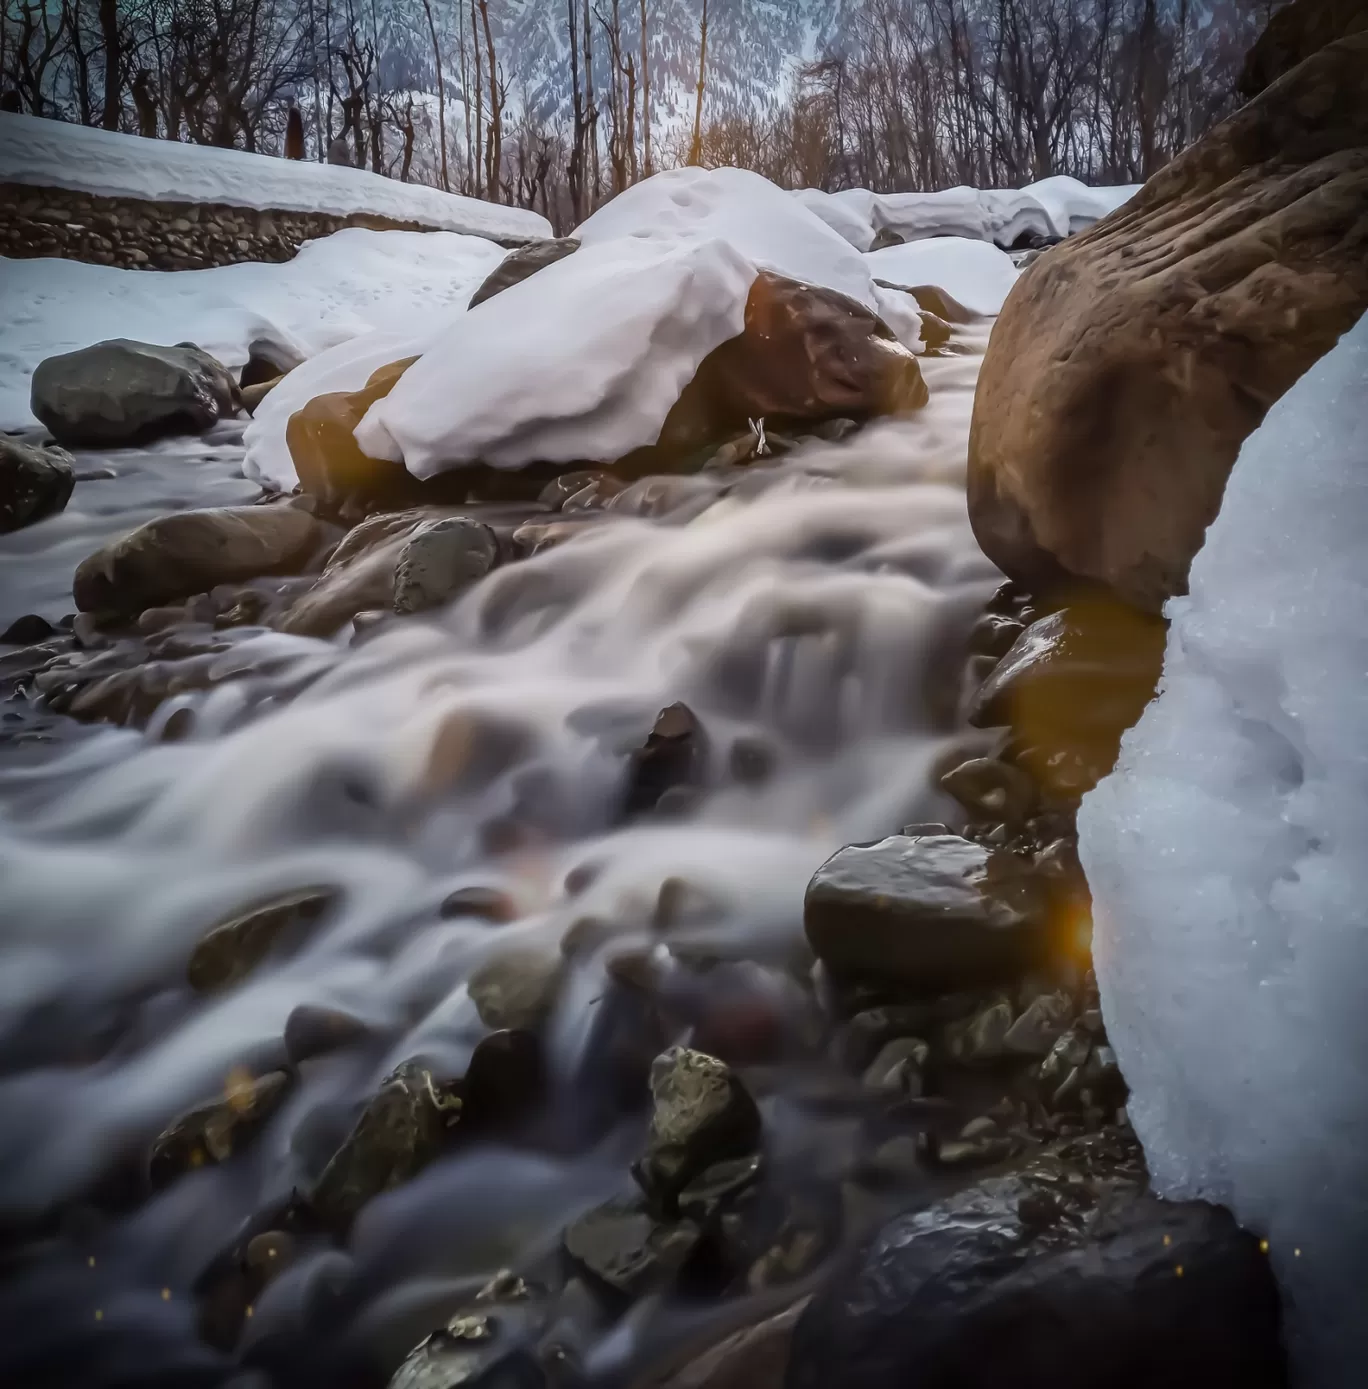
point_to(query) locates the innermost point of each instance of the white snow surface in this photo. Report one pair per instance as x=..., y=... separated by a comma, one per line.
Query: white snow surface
x=583, y=360
x=342, y=286
x=1054, y=207
x=975, y=272
x=56, y=154
x=766, y=225
x=1227, y=864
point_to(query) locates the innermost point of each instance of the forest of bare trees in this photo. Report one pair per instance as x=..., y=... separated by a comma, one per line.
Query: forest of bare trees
x=917, y=93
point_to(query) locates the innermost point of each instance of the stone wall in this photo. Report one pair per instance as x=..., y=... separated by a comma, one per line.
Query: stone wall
x=159, y=235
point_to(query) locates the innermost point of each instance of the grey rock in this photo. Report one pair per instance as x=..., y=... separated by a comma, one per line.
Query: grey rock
x=402, y=1129
x=1050, y=1278
x=900, y=1067
x=516, y=988
x=626, y=1247
x=214, y=1132
x=932, y=914
x=233, y=948
x=701, y=1115
x=312, y=1031
x=190, y=552
x=522, y=263
x=673, y=757
x=34, y=483
x=982, y=1037
x=121, y=392
x=440, y=560
x=486, y=903
x=268, y=359
x=1042, y=1024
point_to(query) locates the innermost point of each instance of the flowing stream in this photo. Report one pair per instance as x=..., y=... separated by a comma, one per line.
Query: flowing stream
x=815, y=625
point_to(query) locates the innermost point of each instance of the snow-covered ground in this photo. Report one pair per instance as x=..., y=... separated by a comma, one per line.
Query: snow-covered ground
x=1054, y=207
x=55, y=154
x=1226, y=858
x=344, y=286
x=974, y=272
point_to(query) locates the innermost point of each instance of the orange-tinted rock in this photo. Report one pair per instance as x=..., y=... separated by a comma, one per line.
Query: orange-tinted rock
x=1128, y=365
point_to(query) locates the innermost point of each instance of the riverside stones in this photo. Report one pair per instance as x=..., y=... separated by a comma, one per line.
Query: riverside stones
x=189, y=552
x=122, y=392
x=673, y=758
x=34, y=483
x=1047, y=1279
x=236, y=946
x=1129, y=365
x=702, y=1115
x=214, y=1132
x=522, y=263
x=623, y=1245
x=930, y=914
x=440, y=560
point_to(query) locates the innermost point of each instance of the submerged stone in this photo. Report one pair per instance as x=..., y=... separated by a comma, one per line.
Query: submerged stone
x=212, y=1133
x=623, y=1245
x=236, y=946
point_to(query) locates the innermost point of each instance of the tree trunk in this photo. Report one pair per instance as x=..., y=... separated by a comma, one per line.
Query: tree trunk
x=496, y=101
x=113, y=63
x=591, y=111
x=479, y=104
x=696, y=148
x=646, y=169
x=441, y=104
x=575, y=174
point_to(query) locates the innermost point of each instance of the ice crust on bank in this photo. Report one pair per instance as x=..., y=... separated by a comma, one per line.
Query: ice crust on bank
x=56, y=154
x=1226, y=859
x=975, y=272
x=584, y=360
x=336, y=289
x=1053, y=208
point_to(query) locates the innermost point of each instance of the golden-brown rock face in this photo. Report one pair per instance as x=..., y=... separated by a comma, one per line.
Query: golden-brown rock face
x=1130, y=363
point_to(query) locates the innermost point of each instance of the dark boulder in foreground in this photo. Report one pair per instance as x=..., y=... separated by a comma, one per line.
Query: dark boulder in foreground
x=1043, y=1280
x=190, y=552
x=34, y=483
x=523, y=263
x=1294, y=33
x=123, y=392
x=930, y=913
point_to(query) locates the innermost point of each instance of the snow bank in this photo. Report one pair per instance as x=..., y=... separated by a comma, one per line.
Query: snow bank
x=347, y=284
x=584, y=360
x=1054, y=207
x=54, y=154
x=755, y=216
x=1226, y=857
x=974, y=272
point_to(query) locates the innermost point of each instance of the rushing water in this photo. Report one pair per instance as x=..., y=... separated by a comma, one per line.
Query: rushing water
x=821, y=617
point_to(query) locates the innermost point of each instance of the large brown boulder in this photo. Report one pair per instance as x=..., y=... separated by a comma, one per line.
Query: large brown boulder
x=1130, y=363
x=1296, y=32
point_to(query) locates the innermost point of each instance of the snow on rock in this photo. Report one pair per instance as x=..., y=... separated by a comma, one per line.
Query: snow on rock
x=347, y=284
x=583, y=360
x=1226, y=859
x=974, y=272
x=55, y=154
x=1053, y=208
x=766, y=225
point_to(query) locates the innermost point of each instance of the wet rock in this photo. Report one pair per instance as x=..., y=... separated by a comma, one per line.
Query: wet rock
x=328, y=460
x=1040, y=1026
x=626, y=1247
x=312, y=1031
x=993, y=635
x=717, y=1185
x=751, y=761
x=931, y=914
x=1071, y=684
x=1129, y=365
x=440, y=560
x=267, y=360
x=754, y=1357
x=561, y=489
x=505, y=1078
x=486, y=903
x=702, y=1115
x=938, y=302
x=1293, y=34
x=34, y=483
x=969, y=1150
x=403, y=1128
x=190, y=552
x=214, y=1132
x=516, y=988
x=27, y=631
x=1047, y=1279
x=675, y=755
x=864, y=1036
x=992, y=790
x=462, y=1356
x=270, y=1253
x=122, y=392
x=522, y=263
x=900, y=1067
x=981, y=1038
x=233, y=948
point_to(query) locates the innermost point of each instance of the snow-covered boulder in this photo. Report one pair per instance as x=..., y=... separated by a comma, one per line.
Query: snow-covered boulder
x=1225, y=856
x=1129, y=364
x=975, y=273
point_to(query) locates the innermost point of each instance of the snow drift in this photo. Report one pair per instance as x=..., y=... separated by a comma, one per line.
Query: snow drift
x=1226, y=860
x=974, y=272
x=55, y=154
x=346, y=285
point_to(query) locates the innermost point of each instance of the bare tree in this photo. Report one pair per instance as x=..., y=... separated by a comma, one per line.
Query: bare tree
x=498, y=95
x=646, y=167
x=696, y=148
x=441, y=104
